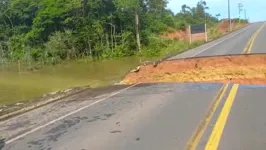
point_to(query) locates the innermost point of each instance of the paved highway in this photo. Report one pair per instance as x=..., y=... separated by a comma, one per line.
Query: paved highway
x=153, y=116
x=234, y=43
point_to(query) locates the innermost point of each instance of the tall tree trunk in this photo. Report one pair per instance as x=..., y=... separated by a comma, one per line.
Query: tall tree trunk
x=89, y=46
x=121, y=28
x=107, y=40
x=5, y=22
x=114, y=36
x=85, y=8
x=137, y=30
x=112, y=40
x=2, y=51
x=11, y=22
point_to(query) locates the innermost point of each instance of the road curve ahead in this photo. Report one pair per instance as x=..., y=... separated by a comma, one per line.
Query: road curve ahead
x=233, y=43
x=159, y=116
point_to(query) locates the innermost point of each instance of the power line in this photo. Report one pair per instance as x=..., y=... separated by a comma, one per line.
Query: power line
x=245, y=14
x=240, y=9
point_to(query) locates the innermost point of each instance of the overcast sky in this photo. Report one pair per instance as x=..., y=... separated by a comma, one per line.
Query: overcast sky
x=256, y=9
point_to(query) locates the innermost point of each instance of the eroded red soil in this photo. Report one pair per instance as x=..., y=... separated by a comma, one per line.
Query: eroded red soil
x=243, y=69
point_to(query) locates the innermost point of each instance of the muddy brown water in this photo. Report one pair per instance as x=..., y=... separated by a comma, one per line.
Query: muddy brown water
x=18, y=86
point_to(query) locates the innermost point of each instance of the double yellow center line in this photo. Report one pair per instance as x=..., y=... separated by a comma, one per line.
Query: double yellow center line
x=217, y=131
x=251, y=41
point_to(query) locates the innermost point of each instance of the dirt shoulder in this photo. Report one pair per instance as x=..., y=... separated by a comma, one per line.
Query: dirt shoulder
x=243, y=69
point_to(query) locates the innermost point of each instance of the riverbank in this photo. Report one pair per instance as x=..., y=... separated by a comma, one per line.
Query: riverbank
x=18, y=87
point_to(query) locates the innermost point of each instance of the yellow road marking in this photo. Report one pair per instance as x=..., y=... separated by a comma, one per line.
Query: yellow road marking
x=217, y=131
x=250, y=44
x=194, y=140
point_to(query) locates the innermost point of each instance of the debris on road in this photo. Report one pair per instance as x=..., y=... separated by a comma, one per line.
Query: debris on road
x=18, y=104
x=135, y=70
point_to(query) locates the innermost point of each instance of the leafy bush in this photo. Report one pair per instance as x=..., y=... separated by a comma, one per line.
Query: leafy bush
x=214, y=33
x=61, y=45
x=37, y=54
x=17, y=46
x=155, y=46
x=182, y=25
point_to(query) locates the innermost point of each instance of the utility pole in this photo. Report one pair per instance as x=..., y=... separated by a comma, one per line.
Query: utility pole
x=245, y=14
x=205, y=13
x=229, y=16
x=240, y=6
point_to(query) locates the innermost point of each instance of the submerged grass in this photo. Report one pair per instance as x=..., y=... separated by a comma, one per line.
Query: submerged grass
x=22, y=86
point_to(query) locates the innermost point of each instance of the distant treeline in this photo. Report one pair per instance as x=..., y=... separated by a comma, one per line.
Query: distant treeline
x=55, y=30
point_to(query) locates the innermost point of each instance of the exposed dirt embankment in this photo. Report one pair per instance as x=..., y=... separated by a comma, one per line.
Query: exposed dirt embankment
x=221, y=28
x=244, y=69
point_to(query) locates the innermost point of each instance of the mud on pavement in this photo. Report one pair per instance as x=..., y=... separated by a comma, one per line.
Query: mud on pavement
x=242, y=69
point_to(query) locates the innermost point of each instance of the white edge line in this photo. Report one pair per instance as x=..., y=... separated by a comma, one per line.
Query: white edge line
x=71, y=113
x=220, y=42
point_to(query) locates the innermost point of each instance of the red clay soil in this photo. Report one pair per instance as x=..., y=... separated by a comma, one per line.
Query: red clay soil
x=242, y=69
x=177, y=35
x=223, y=26
x=183, y=35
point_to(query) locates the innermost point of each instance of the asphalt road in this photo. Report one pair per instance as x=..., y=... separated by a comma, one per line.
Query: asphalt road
x=233, y=43
x=153, y=116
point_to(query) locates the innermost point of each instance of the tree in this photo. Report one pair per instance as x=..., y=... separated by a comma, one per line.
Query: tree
x=183, y=8
x=156, y=5
x=200, y=9
x=133, y=6
x=217, y=16
x=64, y=29
x=85, y=8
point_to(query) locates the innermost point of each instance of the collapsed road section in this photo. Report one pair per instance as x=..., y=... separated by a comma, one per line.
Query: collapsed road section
x=242, y=69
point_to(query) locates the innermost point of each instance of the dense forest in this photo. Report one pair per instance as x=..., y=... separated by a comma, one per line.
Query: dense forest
x=53, y=30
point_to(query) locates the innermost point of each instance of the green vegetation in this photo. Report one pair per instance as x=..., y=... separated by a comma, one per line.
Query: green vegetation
x=49, y=31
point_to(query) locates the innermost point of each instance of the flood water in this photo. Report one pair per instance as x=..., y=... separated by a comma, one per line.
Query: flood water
x=16, y=86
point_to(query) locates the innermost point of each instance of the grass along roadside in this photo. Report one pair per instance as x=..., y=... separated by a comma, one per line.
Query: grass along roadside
x=215, y=33
x=175, y=47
